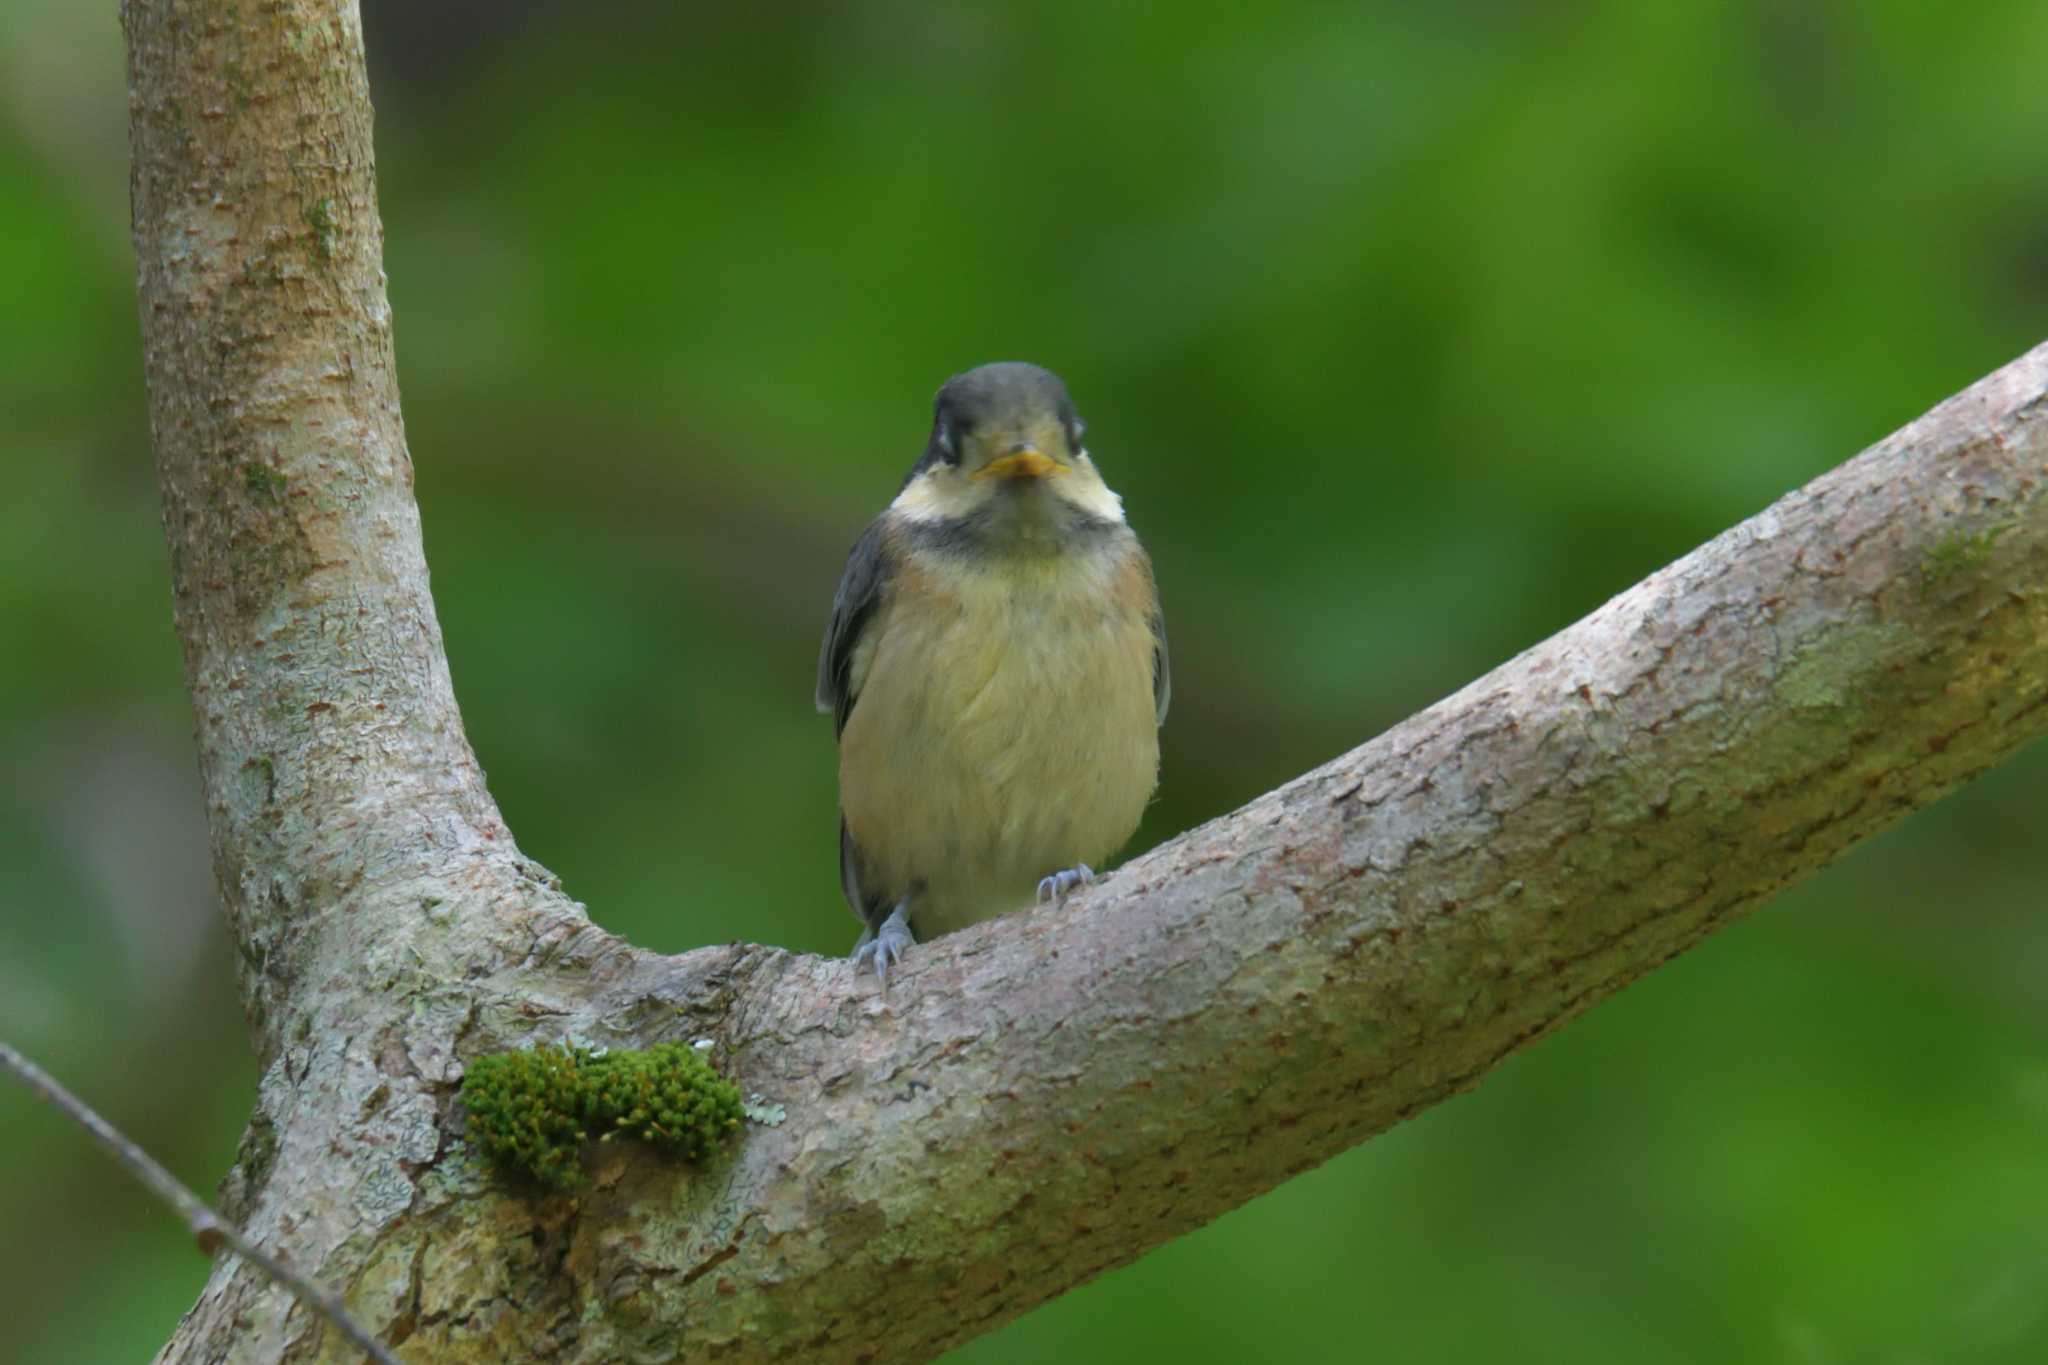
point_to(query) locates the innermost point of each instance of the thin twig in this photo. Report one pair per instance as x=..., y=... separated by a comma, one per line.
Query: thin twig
x=208, y=1229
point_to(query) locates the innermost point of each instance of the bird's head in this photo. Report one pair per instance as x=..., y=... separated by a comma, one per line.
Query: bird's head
x=1005, y=452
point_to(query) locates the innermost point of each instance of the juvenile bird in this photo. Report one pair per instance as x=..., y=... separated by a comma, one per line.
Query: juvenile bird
x=996, y=668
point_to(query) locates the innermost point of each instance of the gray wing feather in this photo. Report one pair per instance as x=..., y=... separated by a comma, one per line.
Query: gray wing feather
x=849, y=879
x=853, y=607
x=1162, y=667
x=860, y=592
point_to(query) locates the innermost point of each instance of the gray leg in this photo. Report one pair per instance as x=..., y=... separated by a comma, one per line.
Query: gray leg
x=1055, y=889
x=884, y=943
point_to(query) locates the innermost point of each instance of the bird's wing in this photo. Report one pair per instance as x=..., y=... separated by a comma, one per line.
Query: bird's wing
x=1162, y=663
x=1162, y=666
x=864, y=909
x=853, y=606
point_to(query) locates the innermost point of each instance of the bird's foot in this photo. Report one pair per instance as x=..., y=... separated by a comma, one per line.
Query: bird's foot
x=1055, y=889
x=883, y=944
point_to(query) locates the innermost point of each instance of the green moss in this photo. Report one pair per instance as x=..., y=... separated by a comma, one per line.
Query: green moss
x=260, y=779
x=666, y=1095
x=526, y=1112
x=258, y=1152
x=320, y=218
x=532, y=1111
x=263, y=482
x=1959, y=553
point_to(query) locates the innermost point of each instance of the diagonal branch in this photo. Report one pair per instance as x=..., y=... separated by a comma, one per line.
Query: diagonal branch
x=1042, y=1097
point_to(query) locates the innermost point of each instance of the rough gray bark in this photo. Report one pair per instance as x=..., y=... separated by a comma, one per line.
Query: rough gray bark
x=1042, y=1097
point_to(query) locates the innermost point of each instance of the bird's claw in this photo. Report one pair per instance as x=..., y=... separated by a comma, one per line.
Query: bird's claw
x=883, y=945
x=1055, y=889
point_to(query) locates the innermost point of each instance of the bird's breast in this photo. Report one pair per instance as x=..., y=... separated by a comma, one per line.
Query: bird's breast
x=1004, y=726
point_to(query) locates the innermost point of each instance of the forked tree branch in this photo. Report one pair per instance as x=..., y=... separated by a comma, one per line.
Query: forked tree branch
x=1042, y=1097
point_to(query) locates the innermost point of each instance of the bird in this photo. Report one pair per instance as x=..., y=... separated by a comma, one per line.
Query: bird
x=996, y=668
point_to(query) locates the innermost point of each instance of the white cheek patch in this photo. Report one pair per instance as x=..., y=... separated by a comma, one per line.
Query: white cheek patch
x=945, y=495
x=1083, y=487
x=934, y=496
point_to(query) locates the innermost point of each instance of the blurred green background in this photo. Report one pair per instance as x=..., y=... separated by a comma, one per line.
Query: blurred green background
x=1410, y=332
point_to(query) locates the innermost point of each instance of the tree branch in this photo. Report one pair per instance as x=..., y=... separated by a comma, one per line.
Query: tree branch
x=1041, y=1097
x=209, y=1232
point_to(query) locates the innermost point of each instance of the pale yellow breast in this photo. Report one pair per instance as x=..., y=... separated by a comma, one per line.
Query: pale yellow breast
x=1004, y=729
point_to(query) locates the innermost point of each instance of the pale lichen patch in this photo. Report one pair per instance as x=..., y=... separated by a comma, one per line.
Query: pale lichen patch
x=1824, y=674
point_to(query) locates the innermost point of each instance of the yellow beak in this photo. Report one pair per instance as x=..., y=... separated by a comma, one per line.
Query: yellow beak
x=1022, y=464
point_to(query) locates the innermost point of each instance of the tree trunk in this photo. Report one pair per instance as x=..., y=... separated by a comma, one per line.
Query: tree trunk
x=1039, y=1098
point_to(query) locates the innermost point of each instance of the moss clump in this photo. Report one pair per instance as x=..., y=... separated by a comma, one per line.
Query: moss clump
x=668, y=1096
x=532, y=1111
x=526, y=1112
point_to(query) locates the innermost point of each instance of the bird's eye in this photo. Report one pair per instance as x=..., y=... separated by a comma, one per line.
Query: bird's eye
x=1075, y=431
x=945, y=442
